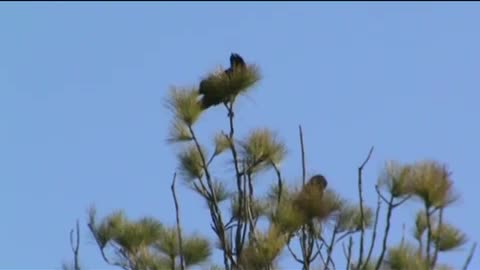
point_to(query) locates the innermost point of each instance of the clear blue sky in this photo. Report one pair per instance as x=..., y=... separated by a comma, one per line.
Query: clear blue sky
x=82, y=118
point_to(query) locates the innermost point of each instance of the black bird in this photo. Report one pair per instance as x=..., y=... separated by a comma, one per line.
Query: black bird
x=236, y=63
x=309, y=201
x=318, y=181
x=213, y=98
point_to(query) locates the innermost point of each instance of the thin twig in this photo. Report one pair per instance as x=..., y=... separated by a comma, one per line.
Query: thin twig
x=179, y=228
x=429, y=234
x=315, y=255
x=435, y=251
x=75, y=246
x=402, y=201
x=374, y=234
x=362, y=217
x=279, y=180
x=128, y=258
x=211, y=158
x=330, y=249
x=344, y=250
x=304, y=175
x=241, y=196
x=470, y=257
x=319, y=248
x=345, y=235
x=311, y=244
x=349, y=257
x=303, y=237
x=293, y=254
x=381, y=195
x=230, y=118
x=324, y=242
x=387, y=230
x=250, y=205
x=102, y=247
x=244, y=214
x=214, y=207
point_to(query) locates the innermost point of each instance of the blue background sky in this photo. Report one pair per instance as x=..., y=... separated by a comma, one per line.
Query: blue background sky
x=82, y=118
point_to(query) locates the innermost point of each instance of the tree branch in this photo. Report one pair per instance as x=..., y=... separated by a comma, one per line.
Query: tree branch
x=179, y=228
x=214, y=207
x=345, y=235
x=362, y=217
x=435, y=251
x=243, y=231
x=241, y=196
x=387, y=230
x=349, y=252
x=101, y=247
x=402, y=201
x=305, y=247
x=470, y=256
x=374, y=233
x=211, y=159
x=250, y=205
x=293, y=254
x=279, y=180
x=75, y=245
x=429, y=234
x=319, y=248
x=302, y=148
x=330, y=249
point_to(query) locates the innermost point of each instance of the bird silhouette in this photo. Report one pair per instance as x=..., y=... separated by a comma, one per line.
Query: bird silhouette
x=318, y=181
x=236, y=63
x=213, y=97
x=310, y=199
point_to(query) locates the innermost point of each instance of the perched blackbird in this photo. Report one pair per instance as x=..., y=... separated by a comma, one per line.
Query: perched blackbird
x=309, y=200
x=213, y=98
x=236, y=62
x=318, y=181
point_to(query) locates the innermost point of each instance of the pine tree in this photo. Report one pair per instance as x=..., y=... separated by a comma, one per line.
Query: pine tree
x=309, y=213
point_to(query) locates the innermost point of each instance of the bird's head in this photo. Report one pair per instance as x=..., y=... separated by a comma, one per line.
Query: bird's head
x=236, y=59
x=319, y=180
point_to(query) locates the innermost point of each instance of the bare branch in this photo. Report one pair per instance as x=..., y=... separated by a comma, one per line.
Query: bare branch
x=239, y=236
x=362, y=217
x=367, y=159
x=374, y=234
x=102, y=251
x=211, y=159
x=344, y=250
x=435, y=251
x=402, y=201
x=429, y=233
x=279, y=180
x=330, y=249
x=75, y=245
x=306, y=246
x=315, y=255
x=349, y=255
x=386, y=232
x=311, y=244
x=250, y=204
x=345, y=235
x=243, y=233
x=302, y=147
x=381, y=195
x=470, y=256
x=179, y=228
x=293, y=254
x=319, y=248
x=213, y=205
x=230, y=117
